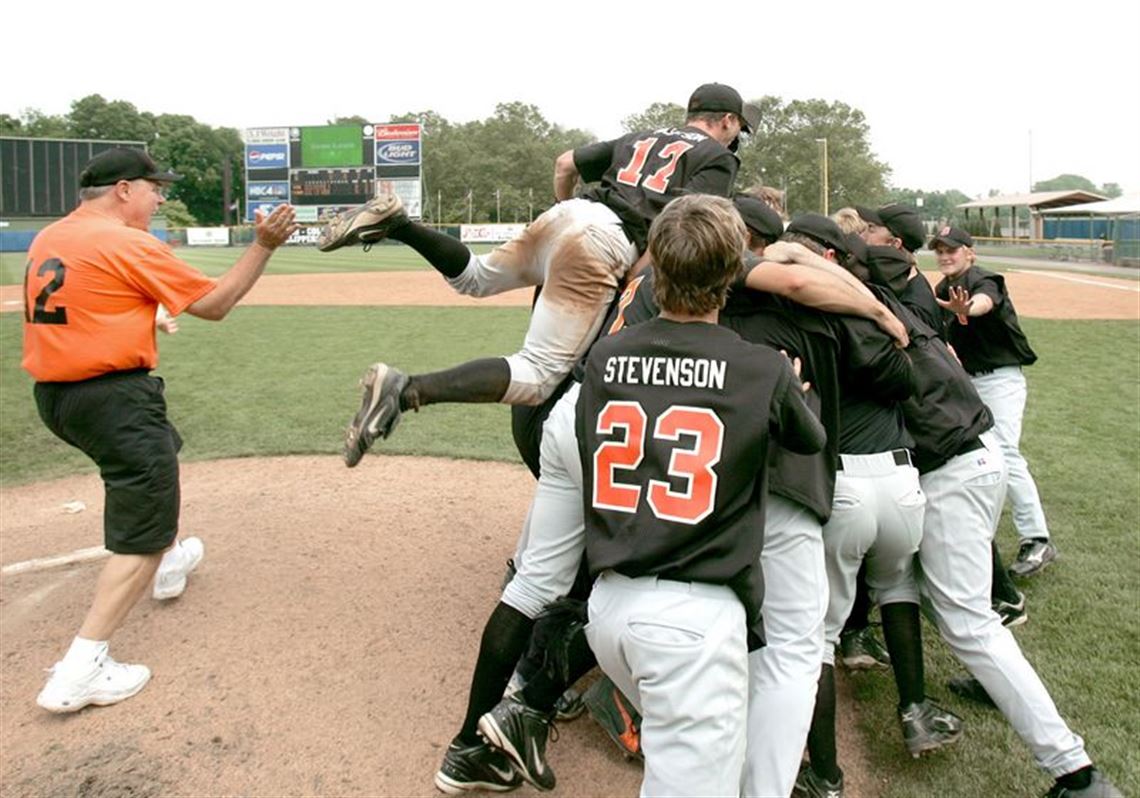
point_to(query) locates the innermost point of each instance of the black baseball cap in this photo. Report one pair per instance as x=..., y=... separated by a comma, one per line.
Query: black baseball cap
x=758, y=217
x=901, y=220
x=122, y=163
x=719, y=97
x=952, y=237
x=889, y=268
x=820, y=229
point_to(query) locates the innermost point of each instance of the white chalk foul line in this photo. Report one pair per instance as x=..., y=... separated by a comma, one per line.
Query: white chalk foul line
x=1082, y=280
x=55, y=561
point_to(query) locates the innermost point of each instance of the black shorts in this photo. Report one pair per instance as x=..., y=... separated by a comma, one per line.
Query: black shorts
x=119, y=421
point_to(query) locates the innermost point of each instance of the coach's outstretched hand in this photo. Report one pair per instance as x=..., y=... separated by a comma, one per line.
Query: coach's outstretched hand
x=274, y=230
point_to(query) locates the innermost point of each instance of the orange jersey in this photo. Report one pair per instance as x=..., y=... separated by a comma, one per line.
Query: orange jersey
x=91, y=289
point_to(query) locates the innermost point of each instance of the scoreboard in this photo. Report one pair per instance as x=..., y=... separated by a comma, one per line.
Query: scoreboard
x=324, y=170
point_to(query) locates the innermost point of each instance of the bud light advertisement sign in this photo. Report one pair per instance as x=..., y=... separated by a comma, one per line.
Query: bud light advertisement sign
x=266, y=156
x=401, y=153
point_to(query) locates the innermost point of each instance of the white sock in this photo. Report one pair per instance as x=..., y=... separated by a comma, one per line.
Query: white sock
x=83, y=654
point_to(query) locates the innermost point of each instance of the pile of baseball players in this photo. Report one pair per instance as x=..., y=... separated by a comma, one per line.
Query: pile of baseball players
x=744, y=434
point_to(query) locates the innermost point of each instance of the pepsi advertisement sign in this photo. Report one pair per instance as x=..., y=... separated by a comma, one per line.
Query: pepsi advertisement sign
x=402, y=153
x=268, y=191
x=266, y=156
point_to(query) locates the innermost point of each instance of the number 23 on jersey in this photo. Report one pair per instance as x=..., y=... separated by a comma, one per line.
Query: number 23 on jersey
x=692, y=465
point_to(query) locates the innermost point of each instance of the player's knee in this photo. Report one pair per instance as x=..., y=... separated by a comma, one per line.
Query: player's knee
x=533, y=379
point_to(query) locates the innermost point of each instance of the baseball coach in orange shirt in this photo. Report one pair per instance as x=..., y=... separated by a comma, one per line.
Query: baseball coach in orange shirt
x=94, y=280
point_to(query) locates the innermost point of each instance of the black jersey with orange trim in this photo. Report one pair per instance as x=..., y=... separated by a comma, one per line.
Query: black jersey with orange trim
x=992, y=340
x=641, y=172
x=673, y=424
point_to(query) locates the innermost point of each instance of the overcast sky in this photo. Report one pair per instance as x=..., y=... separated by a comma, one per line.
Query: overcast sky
x=967, y=95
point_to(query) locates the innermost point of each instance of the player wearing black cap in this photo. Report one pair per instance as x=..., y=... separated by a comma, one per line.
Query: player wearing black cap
x=993, y=349
x=677, y=556
x=900, y=227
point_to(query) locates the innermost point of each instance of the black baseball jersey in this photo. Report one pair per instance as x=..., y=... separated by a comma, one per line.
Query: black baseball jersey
x=945, y=415
x=874, y=376
x=673, y=424
x=990, y=341
x=918, y=297
x=641, y=172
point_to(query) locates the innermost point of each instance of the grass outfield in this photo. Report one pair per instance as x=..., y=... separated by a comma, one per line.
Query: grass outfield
x=282, y=380
x=287, y=260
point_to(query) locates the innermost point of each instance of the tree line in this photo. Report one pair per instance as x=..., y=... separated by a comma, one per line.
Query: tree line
x=499, y=168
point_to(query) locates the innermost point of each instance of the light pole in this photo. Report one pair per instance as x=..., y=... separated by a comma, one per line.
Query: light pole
x=823, y=189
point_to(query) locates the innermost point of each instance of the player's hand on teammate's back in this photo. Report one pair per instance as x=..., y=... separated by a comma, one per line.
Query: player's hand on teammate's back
x=797, y=367
x=274, y=230
x=890, y=324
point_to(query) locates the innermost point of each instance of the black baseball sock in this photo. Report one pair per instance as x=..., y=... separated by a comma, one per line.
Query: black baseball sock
x=446, y=254
x=902, y=631
x=859, y=618
x=821, y=737
x=484, y=380
x=1002, y=587
x=505, y=638
x=542, y=691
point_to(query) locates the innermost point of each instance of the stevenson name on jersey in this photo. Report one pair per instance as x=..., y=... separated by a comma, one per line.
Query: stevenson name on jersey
x=666, y=372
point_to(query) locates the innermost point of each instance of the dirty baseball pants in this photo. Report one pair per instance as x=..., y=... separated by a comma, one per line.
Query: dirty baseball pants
x=578, y=252
x=679, y=652
x=784, y=674
x=964, y=499
x=1004, y=392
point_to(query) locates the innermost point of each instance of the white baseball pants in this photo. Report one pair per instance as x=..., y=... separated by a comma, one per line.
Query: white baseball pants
x=1004, y=392
x=578, y=252
x=964, y=503
x=877, y=516
x=679, y=652
x=784, y=675
x=553, y=536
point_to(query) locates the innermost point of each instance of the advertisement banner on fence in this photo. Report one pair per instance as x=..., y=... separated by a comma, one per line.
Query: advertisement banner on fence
x=264, y=207
x=489, y=233
x=305, y=236
x=266, y=156
x=207, y=236
x=267, y=135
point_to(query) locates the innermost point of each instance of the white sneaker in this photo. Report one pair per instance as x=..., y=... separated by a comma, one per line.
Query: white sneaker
x=170, y=581
x=108, y=682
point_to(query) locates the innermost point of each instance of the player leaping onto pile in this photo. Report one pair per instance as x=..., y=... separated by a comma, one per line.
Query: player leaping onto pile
x=579, y=251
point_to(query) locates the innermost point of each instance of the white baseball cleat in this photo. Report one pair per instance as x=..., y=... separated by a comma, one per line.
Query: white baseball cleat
x=108, y=682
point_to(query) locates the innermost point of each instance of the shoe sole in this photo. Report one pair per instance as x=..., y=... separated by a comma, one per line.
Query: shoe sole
x=93, y=700
x=933, y=745
x=864, y=663
x=340, y=232
x=490, y=730
x=179, y=587
x=450, y=786
x=1017, y=621
x=373, y=384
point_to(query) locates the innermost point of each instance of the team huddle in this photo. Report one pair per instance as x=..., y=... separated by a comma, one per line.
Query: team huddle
x=745, y=433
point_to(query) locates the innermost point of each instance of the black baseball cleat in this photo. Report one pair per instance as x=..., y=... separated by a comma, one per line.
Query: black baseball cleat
x=971, y=689
x=520, y=732
x=1033, y=555
x=861, y=650
x=928, y=727
x=365, y=224
x=1012, y=614
x=379, y=410
x=1098, y=787
x=477, y=767
x=811, y=785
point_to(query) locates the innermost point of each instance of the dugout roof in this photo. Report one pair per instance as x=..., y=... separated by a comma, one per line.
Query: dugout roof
x=1121, y=206
x=1036, y=202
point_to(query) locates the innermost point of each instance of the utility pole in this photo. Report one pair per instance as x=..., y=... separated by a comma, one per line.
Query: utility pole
x=823, y=189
